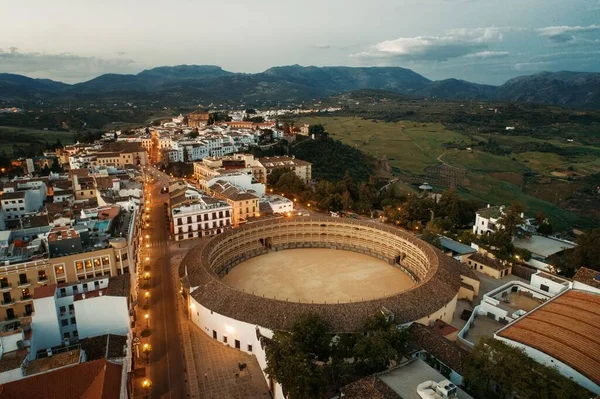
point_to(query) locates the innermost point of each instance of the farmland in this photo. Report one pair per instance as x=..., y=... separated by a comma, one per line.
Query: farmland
x=13, y=140
x=417, y=152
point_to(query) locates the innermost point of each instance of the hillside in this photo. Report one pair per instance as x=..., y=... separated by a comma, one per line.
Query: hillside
x=207, y=83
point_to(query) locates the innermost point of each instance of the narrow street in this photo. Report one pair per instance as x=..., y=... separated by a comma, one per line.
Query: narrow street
x=166, y=368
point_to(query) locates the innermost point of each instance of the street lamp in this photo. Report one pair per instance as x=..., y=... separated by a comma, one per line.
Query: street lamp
x=147, y=348
x=147, y=276
x=147, y=384
x=147, y=296
x=147, y=317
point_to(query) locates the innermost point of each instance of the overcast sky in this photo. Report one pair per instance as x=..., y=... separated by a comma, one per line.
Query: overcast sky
x=484, y=41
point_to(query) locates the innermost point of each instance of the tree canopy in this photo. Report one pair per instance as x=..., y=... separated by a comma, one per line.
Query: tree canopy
x=311, y=360
x=492, y=363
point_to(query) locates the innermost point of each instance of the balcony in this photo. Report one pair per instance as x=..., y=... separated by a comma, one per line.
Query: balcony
x=5, y=287
x=25, y=298
x=8, y=302
x=10, y=318
x=24, y=283
x=42, y=279
x=27, y=314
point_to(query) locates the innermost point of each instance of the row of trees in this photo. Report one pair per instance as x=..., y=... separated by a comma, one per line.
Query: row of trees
x=311, y=360
x=496, y=370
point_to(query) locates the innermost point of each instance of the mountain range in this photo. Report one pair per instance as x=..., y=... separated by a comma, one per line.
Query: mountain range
x=203, y=83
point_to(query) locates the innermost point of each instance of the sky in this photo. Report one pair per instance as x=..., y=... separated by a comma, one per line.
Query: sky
x=483, y=41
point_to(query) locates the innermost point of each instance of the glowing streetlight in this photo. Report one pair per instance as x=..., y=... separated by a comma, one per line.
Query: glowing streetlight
x=147, y=236
x=147, y=384
x=147, y=275
x=147, y=245
x=147, y=258
x=147, y=296
x=147, y=348
x=147, y=317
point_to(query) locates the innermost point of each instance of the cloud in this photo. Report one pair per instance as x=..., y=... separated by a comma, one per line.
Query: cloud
x=531, y=66
x=488, y=54
x=564, y=34
x=453, y=44
x=65, y=66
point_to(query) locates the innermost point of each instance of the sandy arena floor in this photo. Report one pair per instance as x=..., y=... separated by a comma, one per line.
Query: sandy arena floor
x=318, y=275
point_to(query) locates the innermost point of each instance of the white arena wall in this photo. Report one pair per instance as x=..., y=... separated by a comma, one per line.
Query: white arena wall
x=209, y=321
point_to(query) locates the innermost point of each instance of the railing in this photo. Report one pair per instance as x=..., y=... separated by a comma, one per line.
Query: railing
x=25, y=314
x=24, y=283
x=42, y=279
x=7, y=318
x=6, y=287
x=26, y=298
x=9, y=302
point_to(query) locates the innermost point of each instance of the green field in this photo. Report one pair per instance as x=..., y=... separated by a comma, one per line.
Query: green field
x=12, y=138
x=408, y=146
x=411, y=147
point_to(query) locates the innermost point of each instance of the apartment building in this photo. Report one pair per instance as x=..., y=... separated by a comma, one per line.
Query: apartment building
x=102, y=243
x=244, y=204
x=199, y=217
x=267, y=165
x=79, y=310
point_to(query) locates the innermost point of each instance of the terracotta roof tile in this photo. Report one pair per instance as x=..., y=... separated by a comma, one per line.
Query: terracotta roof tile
x=566, y=328
x=91, y=380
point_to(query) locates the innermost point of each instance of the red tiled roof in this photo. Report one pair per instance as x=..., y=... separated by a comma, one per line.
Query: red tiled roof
x=92, y=380
x=44, y=291
x=566, y=328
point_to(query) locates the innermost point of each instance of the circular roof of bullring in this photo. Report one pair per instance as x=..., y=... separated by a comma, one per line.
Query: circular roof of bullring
x=431, y=292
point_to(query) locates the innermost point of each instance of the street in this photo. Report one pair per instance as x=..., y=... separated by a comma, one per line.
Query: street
x=165, y=368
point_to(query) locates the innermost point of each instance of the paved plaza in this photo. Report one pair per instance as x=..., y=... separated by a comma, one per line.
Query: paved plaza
x=218, y=373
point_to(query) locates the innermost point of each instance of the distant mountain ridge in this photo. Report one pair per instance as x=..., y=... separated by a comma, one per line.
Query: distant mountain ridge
x=298, y=83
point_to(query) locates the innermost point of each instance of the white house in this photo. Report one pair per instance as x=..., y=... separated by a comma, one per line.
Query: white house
x=70, y=311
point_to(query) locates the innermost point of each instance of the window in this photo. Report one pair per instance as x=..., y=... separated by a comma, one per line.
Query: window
x=42, y=275
x=75, y=334
x=88, y=264
x=73, y=321
x=75, y=289
x=105, y=261
x=91, y=192
x=96, y=262
x=249, y=348
x=124, y=256
x=64, y=322
x=544, y=287
x=63, y=292
x=66, y=335
x=71, y=308
x=96, y=284
x=224, y=339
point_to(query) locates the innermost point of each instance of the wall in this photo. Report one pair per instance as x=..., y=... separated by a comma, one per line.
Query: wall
x=547, y=360
x=553, y=287
x=446, y=314
x=11, y=375
x=44, y=324
x=472, y=282
x=232, y=329
x=584, y=287
x=102, y=315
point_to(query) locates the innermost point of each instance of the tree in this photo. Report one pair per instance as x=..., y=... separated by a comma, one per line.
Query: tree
x=319, y=132
x=492, y=362
x=292, y=357
x=381, y=345
x=193, y=134
x=586, y=253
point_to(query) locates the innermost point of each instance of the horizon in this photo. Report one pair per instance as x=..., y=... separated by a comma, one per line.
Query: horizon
x=483, y=42
x=282, y=66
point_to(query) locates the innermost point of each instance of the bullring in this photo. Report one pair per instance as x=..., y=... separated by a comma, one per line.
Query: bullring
x=436, y=277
